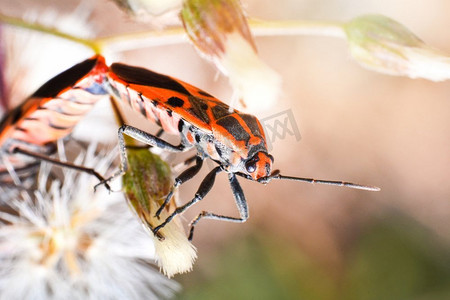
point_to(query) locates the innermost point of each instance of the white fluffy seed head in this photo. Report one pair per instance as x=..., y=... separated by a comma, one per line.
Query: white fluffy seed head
x=67, y=242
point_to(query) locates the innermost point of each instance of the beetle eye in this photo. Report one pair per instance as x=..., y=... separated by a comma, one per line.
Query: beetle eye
x=250, y=166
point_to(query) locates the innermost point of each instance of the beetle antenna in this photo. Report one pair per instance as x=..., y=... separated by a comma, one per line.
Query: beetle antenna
x=276, y=175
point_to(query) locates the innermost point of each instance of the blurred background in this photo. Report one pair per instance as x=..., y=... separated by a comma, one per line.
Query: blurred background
x=304, y=241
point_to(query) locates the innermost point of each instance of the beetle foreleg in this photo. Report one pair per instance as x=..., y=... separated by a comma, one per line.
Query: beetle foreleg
x=182, y=178
x=241, y=204
x=202, y=191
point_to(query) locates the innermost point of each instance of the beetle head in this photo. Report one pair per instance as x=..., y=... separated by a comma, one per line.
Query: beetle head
x=259, y=165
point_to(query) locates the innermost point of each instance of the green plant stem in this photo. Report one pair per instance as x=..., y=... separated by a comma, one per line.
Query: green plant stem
x=18, y=22
x=139, y=40
x=176, y=35
x=291, y=27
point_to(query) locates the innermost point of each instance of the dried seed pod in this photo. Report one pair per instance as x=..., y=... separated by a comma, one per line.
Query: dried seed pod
x=146, y=183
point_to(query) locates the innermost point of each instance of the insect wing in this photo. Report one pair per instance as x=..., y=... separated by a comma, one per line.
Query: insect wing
x=58, y=105
x=146, y=91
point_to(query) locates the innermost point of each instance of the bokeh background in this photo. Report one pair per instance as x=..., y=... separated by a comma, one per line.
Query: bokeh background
x=304, y=241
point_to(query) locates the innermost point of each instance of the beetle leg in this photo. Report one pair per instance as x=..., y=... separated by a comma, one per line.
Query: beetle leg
x=158, y=134
x=189, y=160
x=182, y=178
x=17, y=173
x=241, y=204
x=143, y=137
x=147, y=138
x=202, y=191
x=61, y=163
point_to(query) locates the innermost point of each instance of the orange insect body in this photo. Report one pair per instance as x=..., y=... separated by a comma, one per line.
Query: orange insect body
x=52, y=111
x=227, y=136
x=233, y=139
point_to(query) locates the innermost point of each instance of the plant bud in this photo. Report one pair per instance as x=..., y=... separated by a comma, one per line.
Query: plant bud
x=146, y=183
x=386, y=46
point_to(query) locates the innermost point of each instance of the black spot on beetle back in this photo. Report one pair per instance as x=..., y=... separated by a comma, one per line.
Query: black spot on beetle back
x=175, y=102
